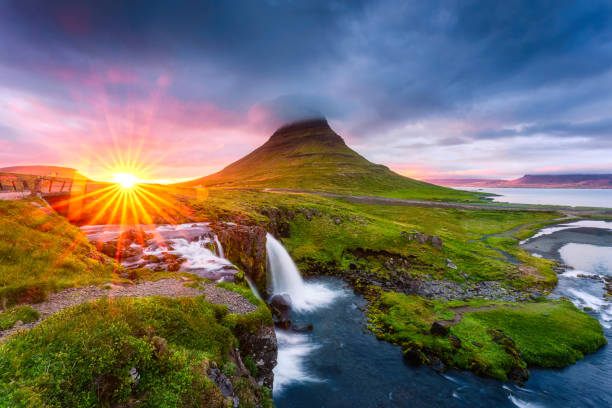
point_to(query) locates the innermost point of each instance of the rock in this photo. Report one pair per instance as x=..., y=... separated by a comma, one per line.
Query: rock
x=280, y=302
x=352, y=266
x=245, y=247
x=455, y=341
x=519, y=375
x=224, y=383
x=236, y=402
x=438, y=366
x=436, y=242
x=450, y=264
x=18, y=323
x=535, y=295
x=280, y=305
x=262, y=347
x=477, y=344
x=135, y=375
x=302, y=328
x=413, y=356
x=439, y=329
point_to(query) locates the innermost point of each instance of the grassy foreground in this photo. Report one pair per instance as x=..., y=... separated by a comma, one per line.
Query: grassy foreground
x=41, y=253
x=150, y=352
x=495, y=339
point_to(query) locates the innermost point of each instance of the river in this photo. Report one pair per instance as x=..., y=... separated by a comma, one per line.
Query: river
x=550, y=196
x=340, y=364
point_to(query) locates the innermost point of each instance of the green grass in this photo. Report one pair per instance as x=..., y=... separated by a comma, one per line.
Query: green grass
x=337, y=228
x=9, y=317
x=491, y=342
x=41, y=253
x=82, y=356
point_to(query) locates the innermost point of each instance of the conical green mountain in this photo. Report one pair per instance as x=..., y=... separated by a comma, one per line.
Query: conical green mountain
x=309, y=155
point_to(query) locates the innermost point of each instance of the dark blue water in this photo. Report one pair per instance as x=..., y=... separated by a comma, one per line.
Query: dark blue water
x=340, y=364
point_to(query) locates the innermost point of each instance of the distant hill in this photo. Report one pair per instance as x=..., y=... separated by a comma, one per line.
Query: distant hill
x=309, y=155
x=50, y=171
x=536, y=181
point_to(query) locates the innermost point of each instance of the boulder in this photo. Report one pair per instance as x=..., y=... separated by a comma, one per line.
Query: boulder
x=439, y=329
x=280, y=305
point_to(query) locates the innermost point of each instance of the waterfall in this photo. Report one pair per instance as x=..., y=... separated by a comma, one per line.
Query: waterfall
x=285, y=278
x=220, y=252
x=253, y=288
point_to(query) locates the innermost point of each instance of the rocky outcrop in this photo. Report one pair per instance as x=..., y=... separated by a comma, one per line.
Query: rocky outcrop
x=433, y=240
x=245, y=247
x=262, y=348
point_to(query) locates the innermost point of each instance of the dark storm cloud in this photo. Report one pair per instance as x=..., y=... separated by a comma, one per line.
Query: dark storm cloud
x=506, y=68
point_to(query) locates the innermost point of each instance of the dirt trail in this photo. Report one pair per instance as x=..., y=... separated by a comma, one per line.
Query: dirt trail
x=164, y=287
x=459, y=311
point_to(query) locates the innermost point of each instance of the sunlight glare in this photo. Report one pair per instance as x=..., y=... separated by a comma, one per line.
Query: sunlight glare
x=125, y=180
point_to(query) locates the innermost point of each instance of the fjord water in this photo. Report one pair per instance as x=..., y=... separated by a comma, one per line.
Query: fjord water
x=340, y=364
x=550, y=196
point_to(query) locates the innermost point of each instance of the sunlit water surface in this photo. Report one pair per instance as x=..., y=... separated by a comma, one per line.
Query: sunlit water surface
x=550, y=196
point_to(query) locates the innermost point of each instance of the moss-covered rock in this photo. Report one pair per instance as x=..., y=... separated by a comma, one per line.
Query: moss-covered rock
x=491, y=338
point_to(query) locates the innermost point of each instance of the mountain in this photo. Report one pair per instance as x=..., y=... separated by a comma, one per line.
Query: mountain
x=535, y=181
x=309, y=155
x=49, y=171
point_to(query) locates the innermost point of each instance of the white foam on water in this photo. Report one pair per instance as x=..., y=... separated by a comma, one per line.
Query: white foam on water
x=286, y=279
x=293, y=351
x=586, y=299
x=572, y=273
x=197, y=255
x=523, y=404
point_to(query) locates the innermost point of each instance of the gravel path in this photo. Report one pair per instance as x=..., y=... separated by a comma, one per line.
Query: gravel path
x=459, y=311
x=164, y=287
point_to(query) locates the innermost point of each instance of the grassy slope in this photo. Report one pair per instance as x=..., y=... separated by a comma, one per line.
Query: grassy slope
x=545, y=334
x=313, y=157
x=40, y=253
x=82, y=357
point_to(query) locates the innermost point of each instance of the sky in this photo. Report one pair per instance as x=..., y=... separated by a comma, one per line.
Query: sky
x=433, y=89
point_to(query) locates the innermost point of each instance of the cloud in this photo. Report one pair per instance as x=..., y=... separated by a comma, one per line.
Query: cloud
x=459, y=81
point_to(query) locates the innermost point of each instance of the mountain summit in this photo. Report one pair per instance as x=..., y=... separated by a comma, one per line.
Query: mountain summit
x=309, y=155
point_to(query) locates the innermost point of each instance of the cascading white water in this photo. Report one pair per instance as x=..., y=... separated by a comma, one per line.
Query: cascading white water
x=285, y=278
x=220, y=252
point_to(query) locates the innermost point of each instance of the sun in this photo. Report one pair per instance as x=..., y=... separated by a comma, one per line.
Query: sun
x=125, y=180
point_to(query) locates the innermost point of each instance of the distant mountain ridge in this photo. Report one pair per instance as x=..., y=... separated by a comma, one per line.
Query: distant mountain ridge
x=309, y=155
x=535, y=181
x=48, y=171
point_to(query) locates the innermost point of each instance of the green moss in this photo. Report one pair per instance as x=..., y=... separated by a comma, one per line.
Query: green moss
x=492, y=338
x=25, y=314
x=548, y=333
x=89, y=355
